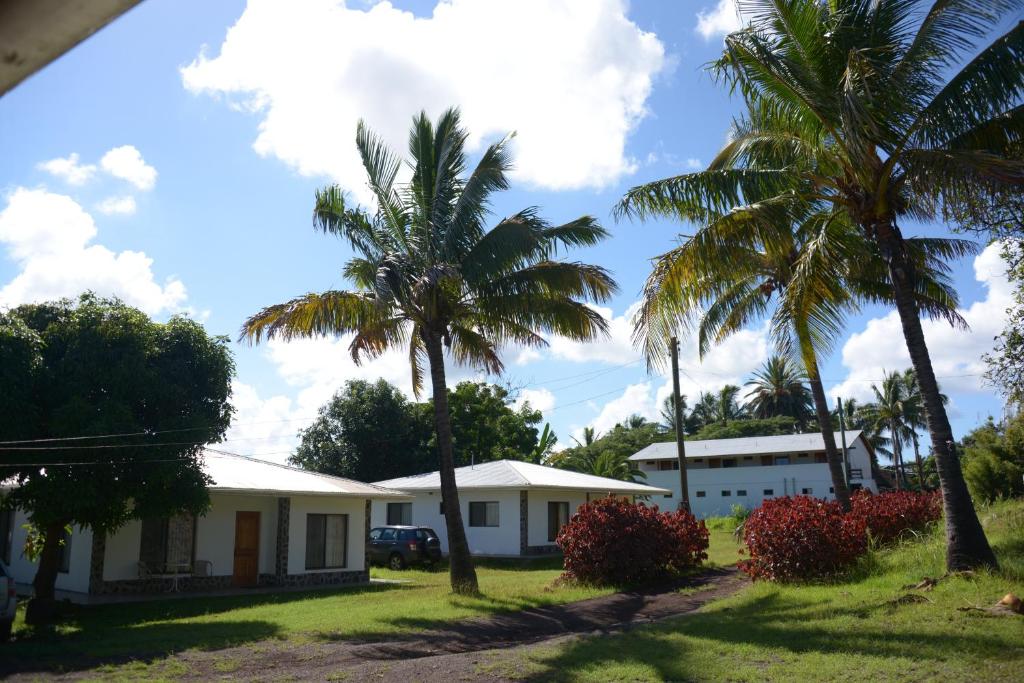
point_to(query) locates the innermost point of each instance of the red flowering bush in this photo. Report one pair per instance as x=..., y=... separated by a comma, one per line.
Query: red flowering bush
x=888, y=516
x=613, y=542
x=801, y=538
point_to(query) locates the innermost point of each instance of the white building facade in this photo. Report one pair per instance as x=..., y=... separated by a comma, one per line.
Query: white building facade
x=722, y=473
x=267, y=525
x=509, y=508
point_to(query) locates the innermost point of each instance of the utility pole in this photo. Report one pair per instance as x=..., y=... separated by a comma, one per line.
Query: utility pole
x=684, y=501
x=842, y=436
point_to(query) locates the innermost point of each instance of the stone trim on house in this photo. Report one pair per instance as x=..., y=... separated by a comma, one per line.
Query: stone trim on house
x=524, y=522
x=96, y=560
x=200, y=584
x=284, y=508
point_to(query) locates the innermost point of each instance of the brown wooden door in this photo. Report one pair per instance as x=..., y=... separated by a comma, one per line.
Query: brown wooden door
x=247, y=548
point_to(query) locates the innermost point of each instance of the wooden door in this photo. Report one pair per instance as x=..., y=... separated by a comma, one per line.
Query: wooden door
x=247, y=548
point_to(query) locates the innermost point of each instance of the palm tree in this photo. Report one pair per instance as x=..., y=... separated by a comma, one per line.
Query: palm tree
x=430, y=277
x=888, y=412
x=856, y=417
x=634, y=421
x=914, y=416
x=705, y=411
x=668, y=413
x=779, y=389
x=726, y=406
x=862, y=95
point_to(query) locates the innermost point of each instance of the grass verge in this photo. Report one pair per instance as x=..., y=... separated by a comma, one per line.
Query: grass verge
x=859, y=628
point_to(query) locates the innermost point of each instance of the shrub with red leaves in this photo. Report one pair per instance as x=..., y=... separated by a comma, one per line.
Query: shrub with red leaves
x=613, y=542
x=801, y=538
x=888, y=516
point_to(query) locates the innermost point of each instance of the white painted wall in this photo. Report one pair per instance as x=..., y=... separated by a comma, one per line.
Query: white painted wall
x=301, y=506
x=780, y=479
x=75, y=580
x=215, y=531
x=500, y=540
x=537, y=521
x=121, y=559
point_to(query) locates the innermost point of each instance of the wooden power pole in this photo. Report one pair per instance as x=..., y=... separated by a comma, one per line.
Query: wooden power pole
x=677, y=407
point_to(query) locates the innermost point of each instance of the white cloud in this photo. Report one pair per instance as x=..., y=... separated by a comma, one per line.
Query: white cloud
x=539, y=399
x=694, y=164
x=880, y=347
x=126, y=162
x=722, y=19
x=617, y=348
x=69, y=169
x=573, y=95
x=120, y=206
x=48, y=236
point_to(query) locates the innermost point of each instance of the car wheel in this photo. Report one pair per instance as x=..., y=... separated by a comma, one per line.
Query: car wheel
x=396, y=562
x=5, y=630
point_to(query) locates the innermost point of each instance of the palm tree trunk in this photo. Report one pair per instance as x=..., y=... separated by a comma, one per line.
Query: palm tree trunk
x=966, y=544
x=832, y=454
x=460, y=562
x=41, y=607
x=920, y=465
x=897, y=457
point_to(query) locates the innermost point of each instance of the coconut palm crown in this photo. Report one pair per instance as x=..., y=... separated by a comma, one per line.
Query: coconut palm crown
x=430, y=277
x=893, y=110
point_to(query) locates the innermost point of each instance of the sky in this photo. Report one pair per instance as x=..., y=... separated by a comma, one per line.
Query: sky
x=172, y=160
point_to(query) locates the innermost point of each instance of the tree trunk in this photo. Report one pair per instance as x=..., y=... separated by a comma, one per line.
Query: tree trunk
x=897, y=457
x=460, y=562
x=966, y=544
x=40, y=608
x=920, y=465
x=832, y=454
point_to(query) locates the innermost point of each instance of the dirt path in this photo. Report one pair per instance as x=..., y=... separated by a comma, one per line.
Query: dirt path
x=472, y=649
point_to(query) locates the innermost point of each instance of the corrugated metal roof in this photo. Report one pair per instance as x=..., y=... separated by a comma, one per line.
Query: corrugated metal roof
x=232, y=472
x=513, y=474
x=751, y=445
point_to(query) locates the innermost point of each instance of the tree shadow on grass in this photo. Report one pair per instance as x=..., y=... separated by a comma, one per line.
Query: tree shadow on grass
x=43, y=651
x=769, y=622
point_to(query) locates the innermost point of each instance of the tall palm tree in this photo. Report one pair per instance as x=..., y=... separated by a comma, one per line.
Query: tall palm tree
x=779, y=388
x=856, y=417
x=634, y=421
x=864, y=95
x=668, y=413
x=429, y=276
x=727, y=406
x=705, y=411
x=889, y=412
x=914, y=416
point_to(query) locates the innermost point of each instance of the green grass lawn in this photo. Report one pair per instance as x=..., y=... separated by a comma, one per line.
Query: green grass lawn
x=846, y=630
x=158, y=628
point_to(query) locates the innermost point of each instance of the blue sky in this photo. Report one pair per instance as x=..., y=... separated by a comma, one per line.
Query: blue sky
x=171, y=159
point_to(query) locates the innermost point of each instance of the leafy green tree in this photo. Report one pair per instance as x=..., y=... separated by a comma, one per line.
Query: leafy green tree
x=95, y=367
x=429, y=276
x=994, y=460
x=368, y=432
x=668, y=414
x=607, y=455
x=770, y=426
x=885, y=113
x=485, y=427
x=779, y=388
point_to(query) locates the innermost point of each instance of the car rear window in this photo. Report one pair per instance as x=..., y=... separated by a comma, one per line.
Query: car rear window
x=408, y=534
x=388, y=534
x=430, y=533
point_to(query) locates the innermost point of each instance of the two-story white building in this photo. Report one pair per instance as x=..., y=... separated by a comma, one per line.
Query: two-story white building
x=725, y=472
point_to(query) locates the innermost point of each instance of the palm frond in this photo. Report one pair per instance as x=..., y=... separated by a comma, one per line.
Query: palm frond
x=314, y=315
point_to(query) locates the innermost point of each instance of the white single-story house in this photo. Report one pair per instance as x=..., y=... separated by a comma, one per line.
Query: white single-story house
x=509, y=508
x=267, y=525
x=725, y=472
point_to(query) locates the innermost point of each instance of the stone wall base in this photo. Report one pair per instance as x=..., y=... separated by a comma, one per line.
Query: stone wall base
x=543, y=550
x=200, y=584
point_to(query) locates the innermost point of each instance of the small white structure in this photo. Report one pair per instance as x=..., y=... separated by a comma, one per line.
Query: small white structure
x=725, y=472
x=268, y=525
x=509, y=508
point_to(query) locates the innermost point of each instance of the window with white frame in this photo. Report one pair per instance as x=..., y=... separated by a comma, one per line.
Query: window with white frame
x=326, y=541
